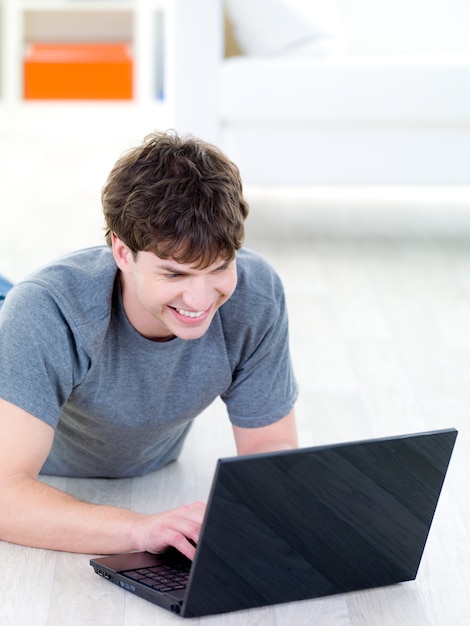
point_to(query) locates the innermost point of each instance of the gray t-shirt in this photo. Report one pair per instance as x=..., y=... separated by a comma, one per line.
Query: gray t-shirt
x=121, y=404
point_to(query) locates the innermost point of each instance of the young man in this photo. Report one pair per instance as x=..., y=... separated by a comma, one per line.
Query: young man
x=108, y=354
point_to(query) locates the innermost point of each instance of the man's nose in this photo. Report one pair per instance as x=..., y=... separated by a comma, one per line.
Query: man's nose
x=199, y=294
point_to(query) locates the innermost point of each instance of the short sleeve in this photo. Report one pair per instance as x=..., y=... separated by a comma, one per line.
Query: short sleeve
x=38, y=352
x=263, y=388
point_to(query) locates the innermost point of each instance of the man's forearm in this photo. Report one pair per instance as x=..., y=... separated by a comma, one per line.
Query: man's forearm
x=281, y=435
x=38, y=515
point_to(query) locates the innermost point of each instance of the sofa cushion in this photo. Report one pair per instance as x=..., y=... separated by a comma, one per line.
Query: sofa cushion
x=287, y=27
x=429, y=90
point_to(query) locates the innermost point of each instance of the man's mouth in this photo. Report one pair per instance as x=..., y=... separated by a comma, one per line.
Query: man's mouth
x=192, y=314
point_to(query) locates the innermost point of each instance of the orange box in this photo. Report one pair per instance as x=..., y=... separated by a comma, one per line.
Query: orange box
x=78, y=72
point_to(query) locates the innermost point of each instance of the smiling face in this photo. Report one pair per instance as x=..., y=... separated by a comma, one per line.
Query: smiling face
x=163, y=298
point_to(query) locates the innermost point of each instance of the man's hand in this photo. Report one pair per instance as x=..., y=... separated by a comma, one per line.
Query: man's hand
x=35, y=514
x=178, y=528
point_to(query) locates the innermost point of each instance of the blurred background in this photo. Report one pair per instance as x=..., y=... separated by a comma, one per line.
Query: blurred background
x=350, y=122
x=344, y=116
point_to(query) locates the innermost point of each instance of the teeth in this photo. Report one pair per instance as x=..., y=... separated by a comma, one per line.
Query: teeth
x=190, y=313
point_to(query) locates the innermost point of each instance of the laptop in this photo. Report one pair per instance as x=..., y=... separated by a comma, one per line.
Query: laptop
x=299, y=524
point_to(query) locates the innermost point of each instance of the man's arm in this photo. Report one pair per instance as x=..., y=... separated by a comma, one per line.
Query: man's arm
x=282, y=435
x=35, y=514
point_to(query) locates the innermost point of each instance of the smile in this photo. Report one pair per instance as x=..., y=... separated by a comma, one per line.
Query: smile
x=189, y=313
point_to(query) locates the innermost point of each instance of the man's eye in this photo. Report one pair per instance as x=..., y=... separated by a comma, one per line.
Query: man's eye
x=172, y=275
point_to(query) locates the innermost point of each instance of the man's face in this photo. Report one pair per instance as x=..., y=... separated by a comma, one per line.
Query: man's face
x=163, y=298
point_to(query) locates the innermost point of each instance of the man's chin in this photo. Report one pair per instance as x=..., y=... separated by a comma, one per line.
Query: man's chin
x=190, y=334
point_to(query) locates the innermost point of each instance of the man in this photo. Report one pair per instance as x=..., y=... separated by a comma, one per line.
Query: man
x=108, y=354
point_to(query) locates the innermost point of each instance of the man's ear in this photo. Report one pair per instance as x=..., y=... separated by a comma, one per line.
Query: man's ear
x=122, y=254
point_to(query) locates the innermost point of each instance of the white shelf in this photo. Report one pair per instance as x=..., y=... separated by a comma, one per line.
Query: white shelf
x=177, y=46
x=141, y=23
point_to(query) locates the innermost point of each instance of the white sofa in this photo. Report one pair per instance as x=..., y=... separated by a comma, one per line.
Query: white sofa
x=340, y=119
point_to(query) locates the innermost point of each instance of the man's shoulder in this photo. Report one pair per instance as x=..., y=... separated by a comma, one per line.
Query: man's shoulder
x=259, y=293
x=78, y=268
x=257, y=276
x=80, y=284
x=255, y=315
x=247, y=257
x=92, y=262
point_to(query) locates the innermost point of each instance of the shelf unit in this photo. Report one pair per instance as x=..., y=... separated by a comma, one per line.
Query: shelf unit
x=141, y=23
x=177, y=46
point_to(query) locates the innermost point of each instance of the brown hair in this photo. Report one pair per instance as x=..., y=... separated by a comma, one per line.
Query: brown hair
x=176, y=196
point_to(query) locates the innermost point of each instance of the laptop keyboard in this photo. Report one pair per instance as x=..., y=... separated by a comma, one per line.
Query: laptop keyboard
x=162, y=577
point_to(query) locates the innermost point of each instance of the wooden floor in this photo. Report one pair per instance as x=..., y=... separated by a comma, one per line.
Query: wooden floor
x=380, y=332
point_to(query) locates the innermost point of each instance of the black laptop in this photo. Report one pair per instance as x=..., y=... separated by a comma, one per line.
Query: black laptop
x=288, y=526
